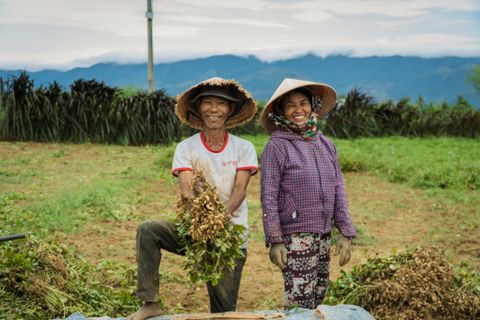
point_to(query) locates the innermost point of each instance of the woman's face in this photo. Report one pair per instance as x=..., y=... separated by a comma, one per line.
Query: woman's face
x=296, y=107
x=214, y=111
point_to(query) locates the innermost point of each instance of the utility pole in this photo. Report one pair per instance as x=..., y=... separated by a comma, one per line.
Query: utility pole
x=149, y=16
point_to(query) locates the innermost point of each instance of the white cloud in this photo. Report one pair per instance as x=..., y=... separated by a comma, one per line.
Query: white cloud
x=35, y=33
x=115, y=16
x=255, y=5
x=224, y=21
x=396, y=8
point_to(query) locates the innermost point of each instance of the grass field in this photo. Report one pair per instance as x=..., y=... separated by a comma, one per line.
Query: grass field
x=403, y=192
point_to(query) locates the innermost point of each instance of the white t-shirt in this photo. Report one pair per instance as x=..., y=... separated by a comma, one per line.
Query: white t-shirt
x=219, y=167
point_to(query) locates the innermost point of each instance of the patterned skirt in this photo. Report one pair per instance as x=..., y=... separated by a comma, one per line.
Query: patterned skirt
x=307, y=270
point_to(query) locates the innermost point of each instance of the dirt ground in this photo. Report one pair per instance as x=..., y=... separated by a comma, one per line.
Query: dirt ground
x=389, y=217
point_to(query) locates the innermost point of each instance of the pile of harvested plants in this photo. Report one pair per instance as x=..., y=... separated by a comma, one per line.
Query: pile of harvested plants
x=42, y=279
x=211, y=242
x=414, y=284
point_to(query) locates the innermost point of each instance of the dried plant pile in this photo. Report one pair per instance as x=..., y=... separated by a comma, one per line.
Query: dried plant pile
x=417, y=284
x=45, y=280
x=211, y=242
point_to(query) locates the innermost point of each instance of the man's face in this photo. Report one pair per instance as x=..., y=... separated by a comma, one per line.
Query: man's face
x=214, y=111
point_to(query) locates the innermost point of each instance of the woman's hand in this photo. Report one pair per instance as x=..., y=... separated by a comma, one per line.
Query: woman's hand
x=278, y=255
x=343, y=247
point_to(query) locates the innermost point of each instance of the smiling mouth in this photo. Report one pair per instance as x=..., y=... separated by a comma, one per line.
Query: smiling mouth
x=214, y=118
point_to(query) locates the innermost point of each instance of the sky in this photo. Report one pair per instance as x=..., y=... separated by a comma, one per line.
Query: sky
x=63, y=34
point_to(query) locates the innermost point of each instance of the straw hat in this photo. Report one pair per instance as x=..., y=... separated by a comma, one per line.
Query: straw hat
x=328, y=94
x=245, y=106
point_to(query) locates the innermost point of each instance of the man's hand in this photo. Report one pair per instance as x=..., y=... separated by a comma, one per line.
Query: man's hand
x=187, y=203
x=278, y=255
x=343, y=247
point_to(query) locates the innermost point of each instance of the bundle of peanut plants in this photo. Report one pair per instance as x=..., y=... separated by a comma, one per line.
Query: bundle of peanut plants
x=43, y=279
x=417, y=283
x=211, y=242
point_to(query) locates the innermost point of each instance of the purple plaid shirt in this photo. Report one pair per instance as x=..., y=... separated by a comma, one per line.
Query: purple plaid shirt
x=302, y=187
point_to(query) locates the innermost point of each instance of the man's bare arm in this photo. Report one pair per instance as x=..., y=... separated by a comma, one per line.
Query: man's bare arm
x=242, y=178
x=185, y=180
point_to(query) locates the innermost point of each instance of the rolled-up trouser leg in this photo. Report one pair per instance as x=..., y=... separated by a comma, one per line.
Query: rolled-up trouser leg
x=152, y=236
x=223, y=296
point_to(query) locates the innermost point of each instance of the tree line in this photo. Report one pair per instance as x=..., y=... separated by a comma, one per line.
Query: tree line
x=91, y=111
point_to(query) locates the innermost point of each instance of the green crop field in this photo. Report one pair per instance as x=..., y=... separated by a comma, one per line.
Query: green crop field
x=403, y=193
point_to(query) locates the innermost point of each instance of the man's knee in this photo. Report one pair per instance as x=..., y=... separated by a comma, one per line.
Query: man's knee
x=146, y=227
x=152, y=226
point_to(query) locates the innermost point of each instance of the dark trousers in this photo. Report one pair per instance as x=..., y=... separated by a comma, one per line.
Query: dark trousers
x=152, y=236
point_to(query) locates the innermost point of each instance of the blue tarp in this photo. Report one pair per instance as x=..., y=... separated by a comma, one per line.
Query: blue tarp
x=338, y=312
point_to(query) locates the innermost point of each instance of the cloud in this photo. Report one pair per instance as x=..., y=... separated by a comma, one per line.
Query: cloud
x=395, y=8
x=52, y=33
x=224, y=21
x=251, y=5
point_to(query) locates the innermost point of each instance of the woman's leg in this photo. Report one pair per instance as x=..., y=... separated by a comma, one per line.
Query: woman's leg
x=323, y=268
x=305, y=263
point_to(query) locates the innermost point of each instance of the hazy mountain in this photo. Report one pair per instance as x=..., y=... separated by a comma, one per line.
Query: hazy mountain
x=435, y=79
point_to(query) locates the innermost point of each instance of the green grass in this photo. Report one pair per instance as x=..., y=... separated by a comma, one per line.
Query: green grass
x=255, y=220
x=49, y=189
x=447, y=170
x=444, y=163
x=67, y=210
x=258, y=141
x=54, y=189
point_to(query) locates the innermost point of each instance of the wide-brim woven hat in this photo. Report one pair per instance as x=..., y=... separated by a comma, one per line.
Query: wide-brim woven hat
x=245, y=106
x=327, y=93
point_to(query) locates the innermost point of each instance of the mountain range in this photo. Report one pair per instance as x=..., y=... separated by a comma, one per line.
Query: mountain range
x=394, y=77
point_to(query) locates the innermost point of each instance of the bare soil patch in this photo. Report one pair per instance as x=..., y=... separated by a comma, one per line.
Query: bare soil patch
x=392, y=217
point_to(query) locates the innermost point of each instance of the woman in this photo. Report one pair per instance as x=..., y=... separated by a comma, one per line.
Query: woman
x=227, y=161
x=302, y=191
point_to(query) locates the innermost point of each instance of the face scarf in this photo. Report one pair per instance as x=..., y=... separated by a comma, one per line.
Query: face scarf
x=308, y=130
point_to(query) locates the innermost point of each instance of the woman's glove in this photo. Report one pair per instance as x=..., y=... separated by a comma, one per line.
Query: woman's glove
x=278, y=255
x=342, y=247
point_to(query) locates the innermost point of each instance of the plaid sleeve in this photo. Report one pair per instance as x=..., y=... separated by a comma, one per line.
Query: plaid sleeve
x=270, y=179
x=341, y=215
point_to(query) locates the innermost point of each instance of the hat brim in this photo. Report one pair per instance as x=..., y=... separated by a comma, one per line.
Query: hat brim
x=318, y=89
x=215, y=92
x=245, y=108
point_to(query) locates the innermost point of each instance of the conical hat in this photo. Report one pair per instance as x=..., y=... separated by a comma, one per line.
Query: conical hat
x=245, y=105
x=327, y=93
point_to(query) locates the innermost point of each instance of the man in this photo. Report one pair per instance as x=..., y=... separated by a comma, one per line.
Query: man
x=227, y=161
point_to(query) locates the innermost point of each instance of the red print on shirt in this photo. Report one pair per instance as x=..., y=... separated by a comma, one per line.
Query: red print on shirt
x=230, y=162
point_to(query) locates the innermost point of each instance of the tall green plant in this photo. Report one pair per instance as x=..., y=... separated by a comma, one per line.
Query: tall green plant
x=91, y=111
x=353, y=117
x=360, y=116
x=18, y=103
x=146, y=118
x=474, y=78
